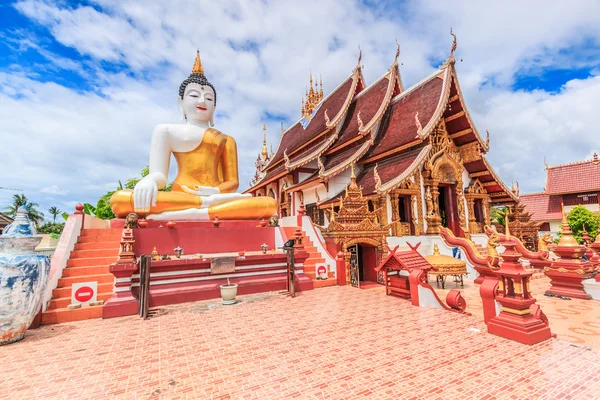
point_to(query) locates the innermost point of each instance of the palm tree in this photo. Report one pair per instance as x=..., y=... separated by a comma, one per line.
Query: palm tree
x=19, y=200
x=54, y=211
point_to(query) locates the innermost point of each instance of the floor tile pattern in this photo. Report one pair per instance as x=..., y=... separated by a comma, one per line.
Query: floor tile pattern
x=329, y=343
x=575, y=320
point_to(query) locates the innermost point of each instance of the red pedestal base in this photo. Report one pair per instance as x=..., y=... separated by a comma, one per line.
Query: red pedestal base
x=193, y=279
x=569, y=284
x=525, y=329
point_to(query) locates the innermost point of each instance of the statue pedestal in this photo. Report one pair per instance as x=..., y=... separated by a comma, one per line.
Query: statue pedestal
x=567, y=274
x=192, y=277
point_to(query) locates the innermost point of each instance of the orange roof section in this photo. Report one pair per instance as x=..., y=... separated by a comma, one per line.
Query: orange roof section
x=577, y=177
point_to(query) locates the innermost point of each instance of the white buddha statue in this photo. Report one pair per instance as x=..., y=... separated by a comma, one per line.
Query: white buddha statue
x=207, y=175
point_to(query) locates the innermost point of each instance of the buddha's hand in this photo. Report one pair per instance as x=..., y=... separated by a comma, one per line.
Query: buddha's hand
x=201, y=190
x=145, y=193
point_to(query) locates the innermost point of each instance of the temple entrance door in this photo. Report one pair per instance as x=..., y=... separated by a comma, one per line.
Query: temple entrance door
x=363, y=258
x=448, y=208
x=404, y=212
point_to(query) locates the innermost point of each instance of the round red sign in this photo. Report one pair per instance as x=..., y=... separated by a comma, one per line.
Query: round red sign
x=84, y=293
x=321, y=269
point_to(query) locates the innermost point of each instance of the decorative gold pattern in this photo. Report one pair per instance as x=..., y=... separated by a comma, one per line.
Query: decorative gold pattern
x=314, y=95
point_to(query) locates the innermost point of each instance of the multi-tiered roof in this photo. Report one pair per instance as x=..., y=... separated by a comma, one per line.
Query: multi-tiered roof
x=385, y=130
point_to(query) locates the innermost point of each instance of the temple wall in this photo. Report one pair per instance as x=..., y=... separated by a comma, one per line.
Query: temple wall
x=466, y=182
x=338, y=183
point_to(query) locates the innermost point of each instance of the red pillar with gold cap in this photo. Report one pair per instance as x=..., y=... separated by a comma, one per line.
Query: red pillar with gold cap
x=567, y=274
x=516, y=321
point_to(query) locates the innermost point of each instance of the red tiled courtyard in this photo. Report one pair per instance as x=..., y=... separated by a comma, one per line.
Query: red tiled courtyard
x=329, y=343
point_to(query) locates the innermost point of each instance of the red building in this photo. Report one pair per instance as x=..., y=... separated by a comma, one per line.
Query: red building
x=570, y=185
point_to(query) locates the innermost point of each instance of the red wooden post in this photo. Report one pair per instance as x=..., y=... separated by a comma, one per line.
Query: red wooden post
x=340, y=269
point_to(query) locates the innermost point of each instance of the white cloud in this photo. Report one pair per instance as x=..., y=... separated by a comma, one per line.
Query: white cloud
x=53, y=189
x=258, y=55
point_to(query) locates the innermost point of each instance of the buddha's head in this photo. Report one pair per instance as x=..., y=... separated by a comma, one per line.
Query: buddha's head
x=197, y=96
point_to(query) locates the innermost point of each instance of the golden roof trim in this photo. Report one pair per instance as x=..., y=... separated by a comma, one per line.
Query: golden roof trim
x=497, y=179
x=407, y=173
x=350, y=160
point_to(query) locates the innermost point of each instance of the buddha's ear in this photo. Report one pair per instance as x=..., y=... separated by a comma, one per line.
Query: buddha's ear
x=212, y=121
x=180, y=104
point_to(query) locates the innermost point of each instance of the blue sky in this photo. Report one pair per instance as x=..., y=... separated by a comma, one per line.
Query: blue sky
x=83, y=83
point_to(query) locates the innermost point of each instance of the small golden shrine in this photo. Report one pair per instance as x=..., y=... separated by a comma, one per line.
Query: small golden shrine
x=446, y=266
x=354, y=224
x=314, y=95
x=522, y=227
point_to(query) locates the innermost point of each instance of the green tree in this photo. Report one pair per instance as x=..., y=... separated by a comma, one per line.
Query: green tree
x=102, y=208
x=54, y=211
x=497, y=215
x=580, y=217
x=19, y=200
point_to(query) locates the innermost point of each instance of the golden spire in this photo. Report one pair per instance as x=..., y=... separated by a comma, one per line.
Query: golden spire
x=264, y=152
x=198, y=68
x=321, y=90
x=332, y=213
x=352, y=186
x=567, y=238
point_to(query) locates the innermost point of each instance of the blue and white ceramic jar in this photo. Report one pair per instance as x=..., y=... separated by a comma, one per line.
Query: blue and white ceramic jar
x=23, y=278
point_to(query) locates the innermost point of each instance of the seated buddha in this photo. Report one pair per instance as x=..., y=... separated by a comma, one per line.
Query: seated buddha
x=207, y=167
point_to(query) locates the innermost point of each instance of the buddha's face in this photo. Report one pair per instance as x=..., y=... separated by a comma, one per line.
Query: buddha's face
x=198, y=103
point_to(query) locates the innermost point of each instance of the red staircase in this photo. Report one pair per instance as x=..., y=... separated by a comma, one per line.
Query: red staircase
x=94, y=251
x=314, y=258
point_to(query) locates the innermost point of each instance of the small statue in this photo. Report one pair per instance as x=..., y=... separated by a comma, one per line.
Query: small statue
x=155, y=255
x=166, y=256
x=131, y=221
x=429, y=201
x=216, y=222
x=274, y=220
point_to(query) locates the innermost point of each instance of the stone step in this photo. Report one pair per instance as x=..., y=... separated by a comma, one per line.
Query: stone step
x=66, y=291
x=94, y=253
x=106, y=245
x=60, y=315
x=104, y=238
x=101, y=278
x=313, y=261
x=63, y=302
x=100, y=232
x=91, y=261
x=85, y=271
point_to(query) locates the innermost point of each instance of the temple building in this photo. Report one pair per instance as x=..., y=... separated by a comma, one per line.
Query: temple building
x=413, y=155
x=567, y=185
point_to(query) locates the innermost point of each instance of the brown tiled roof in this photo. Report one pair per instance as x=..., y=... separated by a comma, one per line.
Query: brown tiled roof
x=297, y=135
x=367, y=103
x=407, y=260
x=399, y=126
x=543, y=207
x=579, y=177
x=387, y=170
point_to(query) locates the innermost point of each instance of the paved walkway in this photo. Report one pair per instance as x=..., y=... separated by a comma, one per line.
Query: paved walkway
x=575, y=320
x=332, y=343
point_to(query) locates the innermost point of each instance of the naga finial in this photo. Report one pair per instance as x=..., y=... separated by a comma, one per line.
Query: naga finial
x=327, y=121
x=198, y=68
x=397, y=52
x=454, y=45
x=420, y=133
x=317, y=196
x=282, y=130
x=286, y=158
x=359, y=57
x=545, y=163
x=360, y=123
x=320, y=165
x=376, y=177
x=487, y=139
